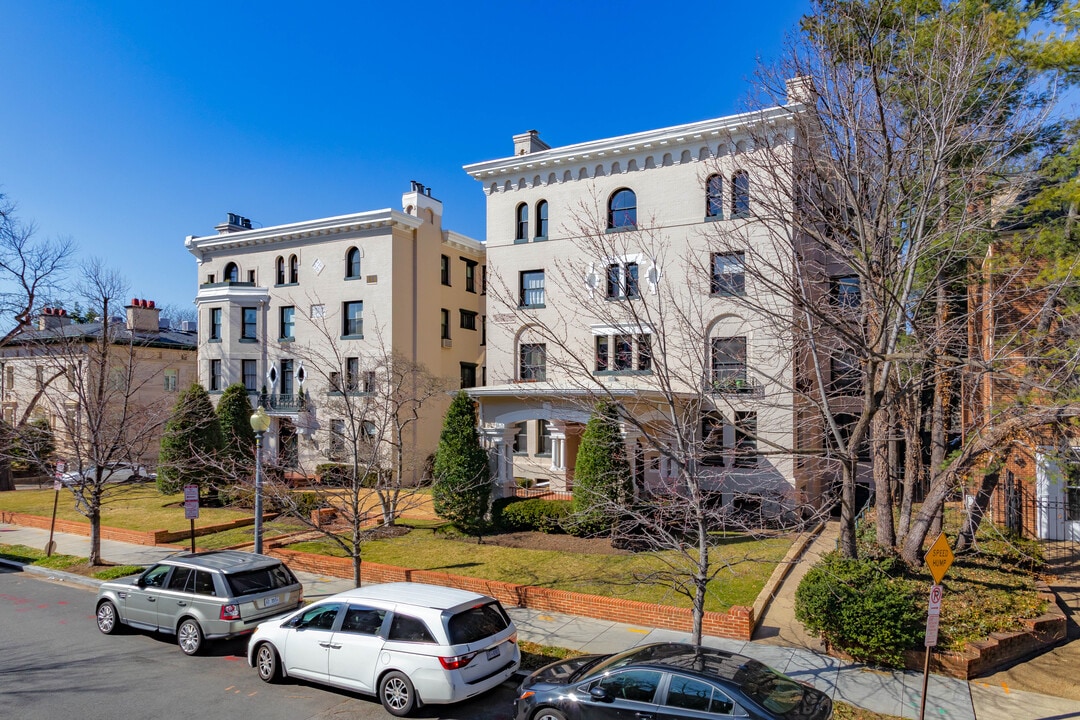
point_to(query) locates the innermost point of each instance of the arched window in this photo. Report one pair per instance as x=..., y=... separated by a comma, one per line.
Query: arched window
x=714, y=196
x=541, y=219
x=352, y=263
x=740, y=194
x=521, y=233
x=622, y=209
x=294, y=269
x=232, y=273
x=279, y=266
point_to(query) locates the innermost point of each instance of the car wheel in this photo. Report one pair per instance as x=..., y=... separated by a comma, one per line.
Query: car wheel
x=397, y=694
x=266, y=660
x=189, y=636
x=108, y=621
x=549, y=714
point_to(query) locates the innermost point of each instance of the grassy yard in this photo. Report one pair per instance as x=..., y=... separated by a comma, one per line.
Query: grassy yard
x=33, y=556
x=135, y=507
x=238, y=536
x=748, y=564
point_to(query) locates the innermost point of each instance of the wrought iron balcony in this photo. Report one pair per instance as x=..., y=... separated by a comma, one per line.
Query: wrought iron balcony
x=735, y=384
x=284, y=403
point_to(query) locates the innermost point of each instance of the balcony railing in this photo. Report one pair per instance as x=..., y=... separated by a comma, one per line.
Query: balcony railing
x=735, y=384
x=290, y=403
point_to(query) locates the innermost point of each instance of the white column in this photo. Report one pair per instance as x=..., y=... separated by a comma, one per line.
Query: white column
x=498, y=441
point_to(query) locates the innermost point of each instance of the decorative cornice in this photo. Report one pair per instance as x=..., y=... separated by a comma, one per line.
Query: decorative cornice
x=463, y=242
x=634, y=145
x=323, y=227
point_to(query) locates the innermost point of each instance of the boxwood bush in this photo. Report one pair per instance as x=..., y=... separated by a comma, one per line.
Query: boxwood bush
x=515, y=514
x=866, y=608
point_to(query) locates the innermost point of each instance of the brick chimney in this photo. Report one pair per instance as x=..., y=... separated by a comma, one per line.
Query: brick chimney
x=52, y=318
x=142, y=316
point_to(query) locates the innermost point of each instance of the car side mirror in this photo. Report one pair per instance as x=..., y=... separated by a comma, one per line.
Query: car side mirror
x=600, y=694
x=141, y=582
x=297, y=623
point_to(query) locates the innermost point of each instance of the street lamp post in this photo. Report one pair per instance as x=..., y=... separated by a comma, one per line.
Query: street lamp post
x=260, y=423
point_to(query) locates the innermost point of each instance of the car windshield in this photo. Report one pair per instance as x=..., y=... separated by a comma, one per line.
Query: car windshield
x=477, y=623
x=773, y=691
x=648, y=653
x=261, y=580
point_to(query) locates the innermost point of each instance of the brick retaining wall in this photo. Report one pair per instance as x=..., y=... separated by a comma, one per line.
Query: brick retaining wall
x=736, y=623
x=138, y=537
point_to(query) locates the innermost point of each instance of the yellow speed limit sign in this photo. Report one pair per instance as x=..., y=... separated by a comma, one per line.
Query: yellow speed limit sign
x=938, y=558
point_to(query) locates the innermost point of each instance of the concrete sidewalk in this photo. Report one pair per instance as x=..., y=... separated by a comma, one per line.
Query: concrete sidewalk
x=884, y=691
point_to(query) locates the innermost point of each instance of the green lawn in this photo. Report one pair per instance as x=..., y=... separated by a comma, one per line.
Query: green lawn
x=135, y=507
x=238, y=536
x=747, y=565
x=33, y=556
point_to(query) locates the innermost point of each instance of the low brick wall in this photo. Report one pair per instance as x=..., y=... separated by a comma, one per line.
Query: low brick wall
x=139, y=537
x=985, y=656
x=737, y=623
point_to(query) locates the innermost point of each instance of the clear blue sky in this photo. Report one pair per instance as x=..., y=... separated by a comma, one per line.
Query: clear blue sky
x=129, y=125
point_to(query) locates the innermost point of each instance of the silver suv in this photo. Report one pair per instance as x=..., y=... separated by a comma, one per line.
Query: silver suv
x=201, y=596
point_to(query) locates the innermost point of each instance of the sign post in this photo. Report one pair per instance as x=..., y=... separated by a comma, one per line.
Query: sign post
x=191, y=508
x=50, y=547
x=938, y=558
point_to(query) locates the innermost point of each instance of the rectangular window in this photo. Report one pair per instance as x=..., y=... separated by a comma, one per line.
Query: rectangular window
x=468, y=375
x=468, y=320
x=602, y=353
x=250, y=373
x=353, y=319
x=644, y=352
x=352, y=374
x=1072, y=492
x=337, y=438
x=369, y=381
x=444, y=269
x=250, y=327
x=215, y=323
x=444, y=324
x=712, y=439
x=746, y=454
x=728, y=364
x=9, y=377
x=622, y=281
x=483, y=279
x=483, y=329
x=543, y=438
x=172, y=380
x=470, y=276
x=624, y=353
x=288, y=323
x=286, y=376
x=728, y=274
x=521, y=439
x=251, y=276
x=533, y=365
x=532, y=288
x=846, y=292
x=215, y=375
x=846, y=373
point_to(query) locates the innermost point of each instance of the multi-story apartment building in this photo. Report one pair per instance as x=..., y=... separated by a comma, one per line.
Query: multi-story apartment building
x=308, y=312
x=52, y=372
x=616, y=269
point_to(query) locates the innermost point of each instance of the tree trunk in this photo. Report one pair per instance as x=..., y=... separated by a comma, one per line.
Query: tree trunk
x=913, y=468
x=978, y=508
x=356, y=569
x=95, y=535
x=7, y=480
x=880, y=428
x=912, y=551
x=940, y=412
x=847, y=511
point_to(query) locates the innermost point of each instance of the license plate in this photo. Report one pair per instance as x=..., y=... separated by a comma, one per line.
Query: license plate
x=493, y=653
x=272, y=601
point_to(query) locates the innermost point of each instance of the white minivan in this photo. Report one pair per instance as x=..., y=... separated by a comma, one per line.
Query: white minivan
x=409, y=644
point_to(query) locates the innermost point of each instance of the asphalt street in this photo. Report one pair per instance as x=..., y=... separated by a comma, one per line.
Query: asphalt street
x=54, y=663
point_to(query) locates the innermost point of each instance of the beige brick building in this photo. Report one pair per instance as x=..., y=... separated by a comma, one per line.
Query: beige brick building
x=49, y=372
x=308, y=313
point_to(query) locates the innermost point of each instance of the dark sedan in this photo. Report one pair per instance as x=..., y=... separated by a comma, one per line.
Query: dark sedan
x=666, y=681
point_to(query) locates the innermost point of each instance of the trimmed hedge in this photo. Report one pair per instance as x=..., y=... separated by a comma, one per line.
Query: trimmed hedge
x=865, y=607
x=513, y=514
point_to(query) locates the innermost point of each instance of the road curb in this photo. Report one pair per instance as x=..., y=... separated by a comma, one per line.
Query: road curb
x=57, y=575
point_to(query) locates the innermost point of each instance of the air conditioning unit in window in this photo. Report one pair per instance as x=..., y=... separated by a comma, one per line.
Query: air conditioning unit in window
x=447, y=342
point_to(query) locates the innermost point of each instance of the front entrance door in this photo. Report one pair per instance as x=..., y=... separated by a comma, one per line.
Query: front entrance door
x=1058, y=484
